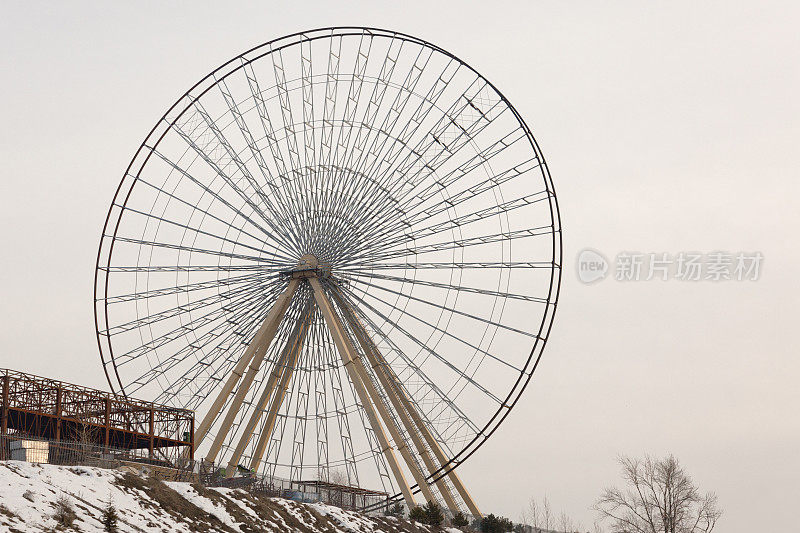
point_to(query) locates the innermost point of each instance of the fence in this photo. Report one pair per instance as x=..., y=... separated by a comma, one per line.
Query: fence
x=71, y=453
x=308, y=491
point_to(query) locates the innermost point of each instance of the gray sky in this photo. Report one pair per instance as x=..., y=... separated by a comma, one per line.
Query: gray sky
x=667, y=128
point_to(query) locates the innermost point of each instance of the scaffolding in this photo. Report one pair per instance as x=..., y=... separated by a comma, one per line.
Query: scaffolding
x=47, y=409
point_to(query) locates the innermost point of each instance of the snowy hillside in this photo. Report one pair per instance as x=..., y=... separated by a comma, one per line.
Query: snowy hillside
x=29, y=494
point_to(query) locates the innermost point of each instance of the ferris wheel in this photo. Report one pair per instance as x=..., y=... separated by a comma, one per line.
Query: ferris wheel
x=342, y=249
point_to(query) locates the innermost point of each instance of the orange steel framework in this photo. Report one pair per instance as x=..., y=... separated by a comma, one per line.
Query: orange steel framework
x=49, y=409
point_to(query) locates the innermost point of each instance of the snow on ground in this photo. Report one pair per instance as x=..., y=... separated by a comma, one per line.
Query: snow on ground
x=29, y=492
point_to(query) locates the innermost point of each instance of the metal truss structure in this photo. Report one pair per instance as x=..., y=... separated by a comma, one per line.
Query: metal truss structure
x=44, y=408
x=342, y=248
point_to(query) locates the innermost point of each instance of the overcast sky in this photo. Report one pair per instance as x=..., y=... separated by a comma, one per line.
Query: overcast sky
x=668, y=127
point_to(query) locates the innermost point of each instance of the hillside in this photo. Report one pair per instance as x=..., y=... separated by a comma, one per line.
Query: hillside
x=29, y=494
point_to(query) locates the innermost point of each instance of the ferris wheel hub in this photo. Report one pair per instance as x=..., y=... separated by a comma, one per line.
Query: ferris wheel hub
x=308, y=267
x=308, y=260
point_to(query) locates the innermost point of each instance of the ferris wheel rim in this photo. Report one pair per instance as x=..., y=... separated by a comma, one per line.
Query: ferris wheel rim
x=147, y=148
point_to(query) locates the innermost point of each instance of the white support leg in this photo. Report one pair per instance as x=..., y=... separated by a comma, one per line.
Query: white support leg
x=349, y=358
x=284, y=364
x=269, y=328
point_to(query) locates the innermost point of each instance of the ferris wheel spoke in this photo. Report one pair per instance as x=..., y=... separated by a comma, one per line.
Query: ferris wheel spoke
x=192, y=229
x=269, y=132
x=449, y=286
x=202, y=152
x=186, y=288
x=264, y=118
x=274, y=232
x=206, y=301
x=320, y=413
x=448, y=201
x=205, y=188
x=331, y=91
x=425, y=107
x=286, y=110
x=416, y=213
x=188, y=327
x=434, y=148
x=222, y=335
x=459, y=339
x=205, y=213
x=506, y=236
x=374, y=446
x=307, y=90
x=431, y=165
x=396, y=109
x=353, y=94
x=381, y=83
x=276, y=439
x=337, y=200
x=276, y=375
x=299, y=182
x=389, y=123
x=427, y=104
x=458, y=222
x=277, y=200
x=391, y=235
x=223, y=142
x=220, y=366
x=182, y=248
x=326, y=153
x=346, y=439
x=182, y=268
x=427, y=349
x=300, y=421
x=415, y=369
x=444, y=308
x=479, y=160
x=482, y=265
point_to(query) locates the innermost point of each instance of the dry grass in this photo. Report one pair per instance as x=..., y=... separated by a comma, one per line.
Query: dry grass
x=270, y=512
x=173, y=503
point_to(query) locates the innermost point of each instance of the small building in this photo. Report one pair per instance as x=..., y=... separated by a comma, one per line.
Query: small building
x=45, y=420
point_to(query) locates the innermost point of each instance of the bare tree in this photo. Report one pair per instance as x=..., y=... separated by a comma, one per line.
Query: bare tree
x=539, y=516
x=530, y=515
x=660, y=498
x=565, y=523
x=338, y=477
x=548, y=520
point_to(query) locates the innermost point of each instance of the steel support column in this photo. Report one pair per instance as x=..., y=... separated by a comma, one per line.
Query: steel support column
x=59, y=401
x=107, y=422
x=4, y=414
x=152, y=431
